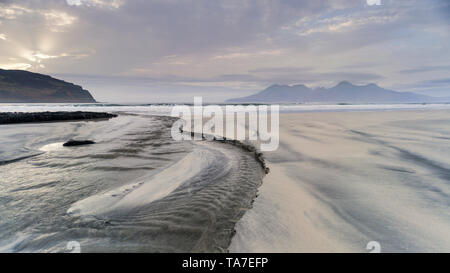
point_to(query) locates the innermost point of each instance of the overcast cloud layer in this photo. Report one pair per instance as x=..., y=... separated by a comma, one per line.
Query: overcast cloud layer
x=169, y=50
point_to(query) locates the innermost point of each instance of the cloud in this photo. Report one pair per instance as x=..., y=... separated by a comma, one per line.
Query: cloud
x=310, y=75
x=247, y=55
x=239, y=44
x=423, y=69
x=115, y=4
x=13, y=11
x=54, y=19
x=344, y=23
x=58, y=19
x=281, y=70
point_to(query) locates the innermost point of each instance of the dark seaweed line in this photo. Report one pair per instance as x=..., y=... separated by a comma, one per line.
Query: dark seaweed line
x=259, y=156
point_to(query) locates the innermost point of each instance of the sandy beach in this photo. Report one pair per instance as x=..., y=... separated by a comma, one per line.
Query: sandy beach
x=341, y=180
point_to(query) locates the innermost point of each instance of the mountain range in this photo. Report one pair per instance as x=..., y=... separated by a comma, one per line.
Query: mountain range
x=19, y=86
x=344, y=92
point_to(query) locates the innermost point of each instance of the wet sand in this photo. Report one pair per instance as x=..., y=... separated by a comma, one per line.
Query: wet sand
x=341, y=180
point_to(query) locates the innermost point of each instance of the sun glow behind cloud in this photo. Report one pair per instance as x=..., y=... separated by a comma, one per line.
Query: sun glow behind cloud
x=16, y=66
x=30, y=50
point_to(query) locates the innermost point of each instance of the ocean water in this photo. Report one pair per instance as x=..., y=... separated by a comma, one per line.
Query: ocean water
x=165, y=109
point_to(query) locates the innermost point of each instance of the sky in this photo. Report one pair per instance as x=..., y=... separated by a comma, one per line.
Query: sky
x=171, y=50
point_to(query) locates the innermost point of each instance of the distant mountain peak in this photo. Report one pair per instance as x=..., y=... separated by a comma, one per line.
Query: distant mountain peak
x=345, y=83
x=343, y=92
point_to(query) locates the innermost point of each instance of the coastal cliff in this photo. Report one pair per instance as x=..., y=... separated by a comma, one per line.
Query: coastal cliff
x=19, y=86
